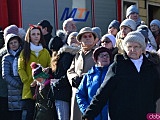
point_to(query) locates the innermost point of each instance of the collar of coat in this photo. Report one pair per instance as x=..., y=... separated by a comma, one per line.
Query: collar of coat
x=69, y=49
x=124, y=57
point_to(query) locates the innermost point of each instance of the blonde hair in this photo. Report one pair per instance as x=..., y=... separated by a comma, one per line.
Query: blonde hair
x=54, y=60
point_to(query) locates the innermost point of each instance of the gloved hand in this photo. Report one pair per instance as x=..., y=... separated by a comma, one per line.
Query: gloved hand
x=76, y=81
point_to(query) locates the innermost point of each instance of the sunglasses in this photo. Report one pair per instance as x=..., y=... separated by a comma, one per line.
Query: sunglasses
x=105, y=41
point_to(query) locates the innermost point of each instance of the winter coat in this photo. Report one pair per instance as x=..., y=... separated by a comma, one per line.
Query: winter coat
x=62, y=89
x=80, y=65
x=88, y=88
x=25, y=72
x=44, y=104
x=157, y=38
x=131, y=95
x=48, y=37
x=10, y=75
x=155, y=58
x=3, y=83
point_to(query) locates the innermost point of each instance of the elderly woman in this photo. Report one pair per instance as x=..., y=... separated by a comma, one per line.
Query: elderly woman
x=93, y=79
x=131, y=86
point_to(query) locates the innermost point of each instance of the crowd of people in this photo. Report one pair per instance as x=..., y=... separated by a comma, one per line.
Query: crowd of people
x=81, y=75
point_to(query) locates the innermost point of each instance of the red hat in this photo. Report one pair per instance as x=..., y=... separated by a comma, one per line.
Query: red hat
x=37, y=71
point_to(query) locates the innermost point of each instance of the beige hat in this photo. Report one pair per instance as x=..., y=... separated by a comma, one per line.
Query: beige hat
x=85, y=30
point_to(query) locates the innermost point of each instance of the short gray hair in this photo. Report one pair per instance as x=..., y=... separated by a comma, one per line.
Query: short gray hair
x=66, y=21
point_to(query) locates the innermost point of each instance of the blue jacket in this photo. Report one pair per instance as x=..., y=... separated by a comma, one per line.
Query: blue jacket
x=88, y=88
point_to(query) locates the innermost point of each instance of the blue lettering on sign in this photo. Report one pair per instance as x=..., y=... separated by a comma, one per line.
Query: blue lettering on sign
x=78, y=14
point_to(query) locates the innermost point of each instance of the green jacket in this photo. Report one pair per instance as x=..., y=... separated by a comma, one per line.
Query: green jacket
x=25, y=72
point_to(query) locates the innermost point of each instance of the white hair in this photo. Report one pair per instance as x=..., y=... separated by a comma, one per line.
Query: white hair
x=66, y=21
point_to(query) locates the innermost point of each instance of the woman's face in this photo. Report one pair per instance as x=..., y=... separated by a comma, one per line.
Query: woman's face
x=124, y=31
x=133, y=50
x=14, y=44
x=35, y=36
x=103, y=59
x=154, y=28
x=113, y=31
x=106, y=43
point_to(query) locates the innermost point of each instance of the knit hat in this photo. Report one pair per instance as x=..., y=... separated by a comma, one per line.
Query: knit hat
x=73, y=34
x=99, y=50
x=129, y=23
x=111, y=37
x=155, y=21
x=98, y=31
x=85, y=30
x=131, y=9
x=135, y=36
x=61, y=34
x=37, y=71
x=144, y=33
x=114, y=24
x=11, y=29
x=55, y=44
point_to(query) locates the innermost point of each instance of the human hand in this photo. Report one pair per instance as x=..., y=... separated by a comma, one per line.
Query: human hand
x=33, y=84
x=46, y=70
x=53, y=81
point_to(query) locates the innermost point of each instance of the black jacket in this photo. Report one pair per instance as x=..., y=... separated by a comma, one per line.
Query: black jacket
x=62, y=89
x=131, y=94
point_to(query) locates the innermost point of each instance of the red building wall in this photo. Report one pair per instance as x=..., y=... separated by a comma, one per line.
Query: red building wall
x=10, y=13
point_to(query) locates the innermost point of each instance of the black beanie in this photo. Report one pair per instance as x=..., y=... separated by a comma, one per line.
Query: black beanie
x=55, y=44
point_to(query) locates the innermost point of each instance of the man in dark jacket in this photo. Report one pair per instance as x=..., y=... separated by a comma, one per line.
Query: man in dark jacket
x=46, y=28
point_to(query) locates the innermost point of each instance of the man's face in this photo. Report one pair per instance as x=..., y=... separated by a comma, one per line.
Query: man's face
x=44, y=30
x=124, y=31
x=134, y=16
x=70, y=27
x=87, y=40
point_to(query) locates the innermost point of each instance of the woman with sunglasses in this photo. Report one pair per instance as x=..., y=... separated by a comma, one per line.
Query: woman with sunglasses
x=109, y=41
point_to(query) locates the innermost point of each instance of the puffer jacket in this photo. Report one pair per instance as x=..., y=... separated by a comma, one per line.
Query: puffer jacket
x=3, y=83
x=88, y=88
x=13, y=81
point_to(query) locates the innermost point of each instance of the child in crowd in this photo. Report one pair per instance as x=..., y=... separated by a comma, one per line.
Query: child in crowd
x=42, y=94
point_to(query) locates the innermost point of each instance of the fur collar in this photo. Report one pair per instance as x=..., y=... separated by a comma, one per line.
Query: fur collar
x=69, y=49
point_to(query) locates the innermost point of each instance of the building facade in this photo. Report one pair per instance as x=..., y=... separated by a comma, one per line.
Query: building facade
x=85, y=12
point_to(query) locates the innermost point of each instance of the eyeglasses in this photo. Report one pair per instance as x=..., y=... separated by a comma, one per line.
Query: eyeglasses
x=104, y=55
